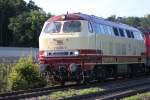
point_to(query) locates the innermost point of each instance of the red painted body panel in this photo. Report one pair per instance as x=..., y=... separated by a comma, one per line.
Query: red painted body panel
x=87, y=58
x=147, y=37
x=66, y=17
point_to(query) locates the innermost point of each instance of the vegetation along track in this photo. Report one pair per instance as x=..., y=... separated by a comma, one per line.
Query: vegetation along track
x=118, y=90
x=32, y=92
x=45, y=91
x=109, y=87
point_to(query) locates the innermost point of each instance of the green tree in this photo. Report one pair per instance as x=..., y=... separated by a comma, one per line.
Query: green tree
x=31, y=6
x=112, y=18
x=145, y=22
x=133, y=21
x=10, y=11
x=8, y=8
x=141, y=23
x=26, y=27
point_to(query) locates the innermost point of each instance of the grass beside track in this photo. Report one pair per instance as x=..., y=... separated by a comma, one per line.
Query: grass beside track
x=70, y=93
x=142, y=96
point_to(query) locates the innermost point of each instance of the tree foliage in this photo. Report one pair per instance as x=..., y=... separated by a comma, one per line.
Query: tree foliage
x=20, y=23
x=26, y=28
x=141, y=23
x=8, y=8
x=112, y=18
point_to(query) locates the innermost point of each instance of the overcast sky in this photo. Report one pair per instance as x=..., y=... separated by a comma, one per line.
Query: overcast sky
x=102, y=8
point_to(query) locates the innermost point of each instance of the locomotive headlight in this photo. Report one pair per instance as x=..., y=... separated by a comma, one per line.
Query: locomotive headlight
x=76, y=53
x=63, y=17
x=45, y=53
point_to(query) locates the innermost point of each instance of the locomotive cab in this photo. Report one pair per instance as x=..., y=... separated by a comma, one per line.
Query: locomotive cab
x=61, y=41
x=60, y=35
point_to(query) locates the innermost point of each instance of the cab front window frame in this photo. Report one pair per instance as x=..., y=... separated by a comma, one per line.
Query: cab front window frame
x=71, y=26
x=53, y=27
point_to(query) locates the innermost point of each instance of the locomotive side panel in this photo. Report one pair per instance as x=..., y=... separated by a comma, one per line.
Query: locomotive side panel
x=120, y=50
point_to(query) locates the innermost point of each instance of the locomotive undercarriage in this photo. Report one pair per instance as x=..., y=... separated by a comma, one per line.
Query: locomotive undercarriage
x=77, y=73
x=64, y=73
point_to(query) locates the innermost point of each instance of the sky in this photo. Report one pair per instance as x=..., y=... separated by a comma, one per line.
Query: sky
x=101, y=8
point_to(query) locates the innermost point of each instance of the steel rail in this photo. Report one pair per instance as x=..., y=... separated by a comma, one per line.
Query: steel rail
x=46, y=91
x=125, y=93
x=118, y=92
x=32, y=92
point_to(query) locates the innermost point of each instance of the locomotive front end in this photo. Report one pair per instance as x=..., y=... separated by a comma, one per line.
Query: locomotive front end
x=60, y=44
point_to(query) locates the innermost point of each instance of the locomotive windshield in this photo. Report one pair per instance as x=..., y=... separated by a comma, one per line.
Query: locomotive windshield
x=68, y=27
x=53, y=27
x=72, y=26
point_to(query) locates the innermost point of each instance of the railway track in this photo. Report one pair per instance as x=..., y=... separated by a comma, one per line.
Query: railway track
x=32, y=92
x=116, y=93
x=38, y=92
x=111, y=87
x=125, y=92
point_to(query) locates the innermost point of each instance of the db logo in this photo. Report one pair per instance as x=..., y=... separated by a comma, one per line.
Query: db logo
x=59, y=42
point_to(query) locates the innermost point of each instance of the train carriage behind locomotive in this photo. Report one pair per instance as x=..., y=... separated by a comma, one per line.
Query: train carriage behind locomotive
x=77, y=47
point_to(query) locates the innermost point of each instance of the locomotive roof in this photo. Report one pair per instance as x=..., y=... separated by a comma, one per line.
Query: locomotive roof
x=92, y=18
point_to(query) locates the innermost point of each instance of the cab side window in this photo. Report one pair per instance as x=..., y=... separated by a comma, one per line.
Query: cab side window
x=115, y=31
x=128, y=33
x=96, y=28
x=132, y=35
x=102, y=29
x=121, y=32
x=90, y=27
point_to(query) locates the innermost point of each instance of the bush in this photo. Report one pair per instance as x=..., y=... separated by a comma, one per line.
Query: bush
x=4, y=71
x=25, y=75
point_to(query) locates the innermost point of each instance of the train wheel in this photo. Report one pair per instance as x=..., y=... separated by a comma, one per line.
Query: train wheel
x=80, y=75
x=100, y=73
x=48, y=78
x=82, y=78
x=77, y=73
x=44, y=75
